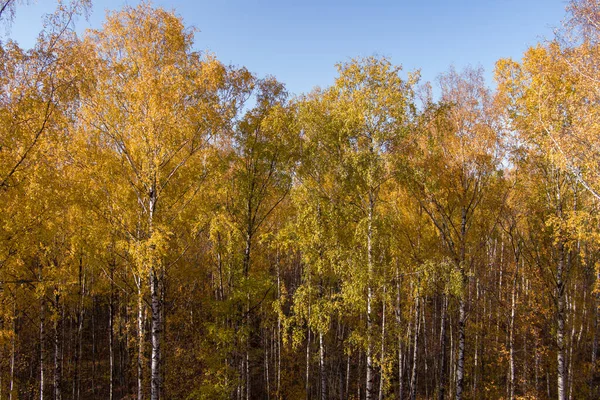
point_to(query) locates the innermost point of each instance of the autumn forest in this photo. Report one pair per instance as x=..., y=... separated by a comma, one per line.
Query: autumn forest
x=172, y=227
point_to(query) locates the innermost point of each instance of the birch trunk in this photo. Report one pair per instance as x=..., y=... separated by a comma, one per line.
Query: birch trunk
x=370, y=372
x=595, y=341
x=462, y=312
x=399, y=324
x=155, y=377
x=79, y=346
x=413, y=376
x=111, y=357
x=140, y=341
x=12, y=350
x=382, y=359
x=57, y=352
x=307, y=387
x=511, y=341
x=42, y=355
x=348, y=376
x=278, y=332
x=460, y=363
x=560, y=323
x=573, y=312
x=322, y=370
x=155, y=302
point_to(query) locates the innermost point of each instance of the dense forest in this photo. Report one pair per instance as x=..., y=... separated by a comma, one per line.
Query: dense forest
x=173, y=227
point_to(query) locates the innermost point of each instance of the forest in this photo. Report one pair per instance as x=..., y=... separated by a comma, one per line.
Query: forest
x=172, y=227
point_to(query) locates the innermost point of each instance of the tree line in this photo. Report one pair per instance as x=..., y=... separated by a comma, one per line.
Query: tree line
x=174, y=227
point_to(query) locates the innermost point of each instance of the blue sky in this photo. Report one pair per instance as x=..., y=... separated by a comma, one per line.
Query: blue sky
x=299, y=42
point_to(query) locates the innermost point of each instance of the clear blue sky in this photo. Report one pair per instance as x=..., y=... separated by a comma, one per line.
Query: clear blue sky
x=299, y=42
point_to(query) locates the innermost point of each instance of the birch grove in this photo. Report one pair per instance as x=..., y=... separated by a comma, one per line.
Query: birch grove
x=172, y=227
